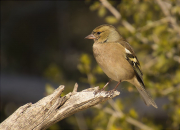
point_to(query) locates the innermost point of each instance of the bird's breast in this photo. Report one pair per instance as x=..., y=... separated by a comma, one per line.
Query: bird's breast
x=111, y=59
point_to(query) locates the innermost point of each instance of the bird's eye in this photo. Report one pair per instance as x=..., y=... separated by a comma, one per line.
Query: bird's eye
x=98, y=33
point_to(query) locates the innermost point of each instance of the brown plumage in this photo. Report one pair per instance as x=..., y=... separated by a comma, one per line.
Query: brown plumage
x=117, y=59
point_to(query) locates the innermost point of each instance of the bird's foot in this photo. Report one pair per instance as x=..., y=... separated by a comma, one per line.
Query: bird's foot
x=110, y=92
x=98, y=91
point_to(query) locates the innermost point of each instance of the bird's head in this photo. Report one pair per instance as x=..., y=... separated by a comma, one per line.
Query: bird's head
x=104, y=33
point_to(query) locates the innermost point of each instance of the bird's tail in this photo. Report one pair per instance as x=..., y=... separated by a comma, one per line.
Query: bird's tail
x=144, y=94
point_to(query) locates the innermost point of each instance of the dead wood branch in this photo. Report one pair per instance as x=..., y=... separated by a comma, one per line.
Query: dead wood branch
x=54, y=108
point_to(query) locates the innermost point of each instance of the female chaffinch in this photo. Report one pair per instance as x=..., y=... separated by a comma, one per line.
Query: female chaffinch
x=117, y=59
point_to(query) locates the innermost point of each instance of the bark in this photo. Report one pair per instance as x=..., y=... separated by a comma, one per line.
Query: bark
x=54, y=108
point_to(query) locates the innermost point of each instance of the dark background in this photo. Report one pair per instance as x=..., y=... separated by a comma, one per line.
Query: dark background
x=37, y=34
x=37, y=37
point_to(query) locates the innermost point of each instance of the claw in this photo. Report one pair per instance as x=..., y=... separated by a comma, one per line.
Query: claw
x=98, y=91
x=111, y=92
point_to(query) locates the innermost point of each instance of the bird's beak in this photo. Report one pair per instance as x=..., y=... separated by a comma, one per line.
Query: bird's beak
x=91, y=36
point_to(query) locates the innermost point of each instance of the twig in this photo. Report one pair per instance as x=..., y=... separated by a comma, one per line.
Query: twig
x=177, y=58
x=153, y=24
x=106, y=4
x=150, y=62
x=117, y=14
x=137, y=123
x=141, y=38
x=128, y=26
x=166, y=12
x=170, y=90
x=110, y=122
x=114, y=105
x=130, y=120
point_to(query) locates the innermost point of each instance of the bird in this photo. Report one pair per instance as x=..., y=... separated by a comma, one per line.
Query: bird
x=117, y=59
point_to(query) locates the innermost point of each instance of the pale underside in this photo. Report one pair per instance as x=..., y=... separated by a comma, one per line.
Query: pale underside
x=112, y=61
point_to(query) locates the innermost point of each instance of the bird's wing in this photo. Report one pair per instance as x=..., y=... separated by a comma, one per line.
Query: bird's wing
x=133, y=61
x=136, y=66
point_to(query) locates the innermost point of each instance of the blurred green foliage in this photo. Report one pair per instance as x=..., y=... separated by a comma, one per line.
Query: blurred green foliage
x=84, y=67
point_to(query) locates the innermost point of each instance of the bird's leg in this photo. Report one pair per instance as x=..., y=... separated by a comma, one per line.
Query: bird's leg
x=112, y=91
x=106, y=85
x=103, y=87
x=117, y=85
